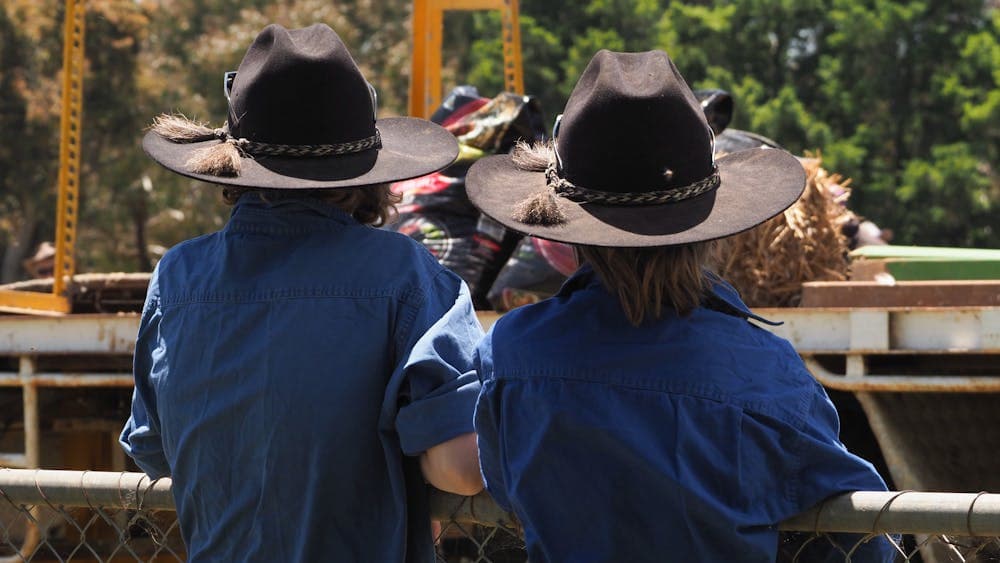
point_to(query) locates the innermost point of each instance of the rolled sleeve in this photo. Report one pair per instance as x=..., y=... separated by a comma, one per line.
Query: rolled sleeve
x=435, y=419
x=140, y=438
x=439, y=385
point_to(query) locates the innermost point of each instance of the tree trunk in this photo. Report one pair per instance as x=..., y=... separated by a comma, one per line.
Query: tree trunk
x=140, y=215
x=20, y=245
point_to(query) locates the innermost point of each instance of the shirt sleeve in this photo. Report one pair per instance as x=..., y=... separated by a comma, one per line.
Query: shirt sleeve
x=488, y=427
x=826, y=468
x=141, y=436
x=438, y=390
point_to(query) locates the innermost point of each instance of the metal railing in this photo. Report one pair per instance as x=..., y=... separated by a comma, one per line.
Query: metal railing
x=48, y=515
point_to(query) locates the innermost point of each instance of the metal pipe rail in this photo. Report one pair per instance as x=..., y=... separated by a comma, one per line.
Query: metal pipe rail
x=899, y=512
x=130, y=491
x=64, y=380
x=903, y=512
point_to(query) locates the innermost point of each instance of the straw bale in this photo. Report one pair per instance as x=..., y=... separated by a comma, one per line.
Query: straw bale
x=769, y=263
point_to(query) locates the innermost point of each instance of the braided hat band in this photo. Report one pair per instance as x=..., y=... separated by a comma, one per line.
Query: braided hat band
x=563, y=187
x=257, y=148
x=543, y=207
x=225, y=158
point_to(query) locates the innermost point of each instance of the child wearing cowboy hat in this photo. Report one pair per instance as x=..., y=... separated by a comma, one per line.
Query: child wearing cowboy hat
x=300, y=374
x=640, y=395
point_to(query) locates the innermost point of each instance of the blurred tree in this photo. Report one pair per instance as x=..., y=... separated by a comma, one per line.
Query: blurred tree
x=558, y=39
x=29, y=101
x=884, y=89
x=193, y=42
x=111, y=216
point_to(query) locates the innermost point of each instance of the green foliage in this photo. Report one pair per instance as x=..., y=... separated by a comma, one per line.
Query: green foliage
x=948, y=197
x=27, y=96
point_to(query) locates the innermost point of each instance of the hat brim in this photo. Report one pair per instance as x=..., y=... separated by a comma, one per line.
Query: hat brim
x=410, y=148
x=756, y=184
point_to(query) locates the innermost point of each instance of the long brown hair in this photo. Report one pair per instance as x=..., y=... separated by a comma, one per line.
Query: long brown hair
x=648, y=281
x=370, y=205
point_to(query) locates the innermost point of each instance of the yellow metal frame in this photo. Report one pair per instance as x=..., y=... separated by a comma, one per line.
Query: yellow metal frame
x=428, y=25
x=58, y=301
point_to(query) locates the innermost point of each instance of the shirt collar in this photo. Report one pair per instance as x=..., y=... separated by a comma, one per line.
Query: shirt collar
x=723, y=297
x=583, y=277
x=252, y=203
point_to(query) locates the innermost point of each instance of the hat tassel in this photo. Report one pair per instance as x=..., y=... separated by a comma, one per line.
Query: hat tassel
x=224, y=159
x=180, y=129
x=540, y=209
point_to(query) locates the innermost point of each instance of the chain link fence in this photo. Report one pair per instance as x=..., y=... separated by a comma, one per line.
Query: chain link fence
x=87, y=516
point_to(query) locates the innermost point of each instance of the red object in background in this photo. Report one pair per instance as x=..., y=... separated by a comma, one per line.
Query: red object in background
x=559, y=255
x=464, y=110
x=429, y=184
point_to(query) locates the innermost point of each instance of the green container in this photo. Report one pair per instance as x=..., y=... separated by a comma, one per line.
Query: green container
x=933, y=262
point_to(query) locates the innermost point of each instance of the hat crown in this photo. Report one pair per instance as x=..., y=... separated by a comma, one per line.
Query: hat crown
x=632, y=124
x=300, y=87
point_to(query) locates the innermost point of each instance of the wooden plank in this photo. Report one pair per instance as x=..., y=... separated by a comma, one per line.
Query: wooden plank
x=951, y=293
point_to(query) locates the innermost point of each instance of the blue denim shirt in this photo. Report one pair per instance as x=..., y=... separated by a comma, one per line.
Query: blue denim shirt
x=683, y=439
x=287, y=369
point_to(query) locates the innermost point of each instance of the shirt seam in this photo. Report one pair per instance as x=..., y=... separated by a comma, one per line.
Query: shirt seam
x=792, y=492
x=694, y=391
x=702, y=392
x=504, y=468
x=269, y=298
x=241, y=226
x=410, y=300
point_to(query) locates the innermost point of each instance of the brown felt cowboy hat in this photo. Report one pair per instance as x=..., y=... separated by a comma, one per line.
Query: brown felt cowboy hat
x=632, y=165
x=301, y=116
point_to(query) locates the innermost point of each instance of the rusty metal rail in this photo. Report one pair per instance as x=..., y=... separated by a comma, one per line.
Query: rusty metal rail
x=903, y=383
x=67, y=380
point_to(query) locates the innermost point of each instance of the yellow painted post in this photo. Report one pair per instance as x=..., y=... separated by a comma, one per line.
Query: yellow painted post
x=432, y=70
x=425, y=73
x=69, y=145
x=418, y=64
x=513, y=75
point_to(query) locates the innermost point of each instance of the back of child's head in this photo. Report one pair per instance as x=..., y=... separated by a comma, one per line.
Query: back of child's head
x=650, y=281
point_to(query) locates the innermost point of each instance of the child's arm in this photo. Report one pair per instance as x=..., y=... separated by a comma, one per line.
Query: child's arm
x=453, y=465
